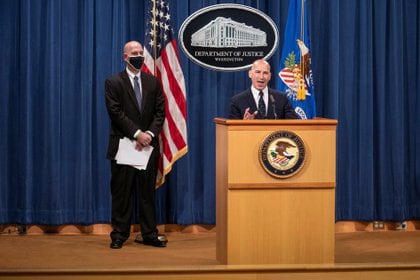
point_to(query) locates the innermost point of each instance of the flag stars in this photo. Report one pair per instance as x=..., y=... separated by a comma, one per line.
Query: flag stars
x=159, y=31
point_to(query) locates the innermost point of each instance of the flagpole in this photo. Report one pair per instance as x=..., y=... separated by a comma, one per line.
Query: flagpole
x=302, y=36
x=154, y=38
x=302, y=21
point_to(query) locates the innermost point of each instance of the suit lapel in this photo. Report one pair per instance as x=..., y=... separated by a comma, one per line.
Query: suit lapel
x=145, y=88
x=251, y=102
x=270, y=113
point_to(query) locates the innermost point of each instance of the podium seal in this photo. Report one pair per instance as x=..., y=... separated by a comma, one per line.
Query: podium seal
x=282, y=154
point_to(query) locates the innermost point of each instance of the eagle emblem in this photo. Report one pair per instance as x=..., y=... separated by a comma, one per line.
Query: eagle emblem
x=282, y=154
x=297, y=76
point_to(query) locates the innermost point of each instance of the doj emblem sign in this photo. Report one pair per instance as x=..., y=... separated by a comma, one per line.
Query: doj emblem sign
x=282, y=154
x=228, y=37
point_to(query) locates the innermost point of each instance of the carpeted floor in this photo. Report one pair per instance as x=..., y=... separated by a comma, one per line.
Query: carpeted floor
x=184, y=249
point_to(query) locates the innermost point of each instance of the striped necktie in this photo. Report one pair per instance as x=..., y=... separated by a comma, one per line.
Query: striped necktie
x=261, y=106
x=137, y=90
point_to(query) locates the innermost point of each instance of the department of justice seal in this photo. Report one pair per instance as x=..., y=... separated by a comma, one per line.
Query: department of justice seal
x=228, y=37
x=282, y=154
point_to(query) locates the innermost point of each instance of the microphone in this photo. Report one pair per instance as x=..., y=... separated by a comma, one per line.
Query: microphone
x=273, y=104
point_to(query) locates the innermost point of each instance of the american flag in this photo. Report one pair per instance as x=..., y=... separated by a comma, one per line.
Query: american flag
x=162, y=60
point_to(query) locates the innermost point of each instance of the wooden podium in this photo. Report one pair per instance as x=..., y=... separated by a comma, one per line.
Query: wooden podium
x=262, y=219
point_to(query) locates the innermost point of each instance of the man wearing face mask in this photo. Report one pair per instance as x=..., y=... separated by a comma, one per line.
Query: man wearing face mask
x=135, y=106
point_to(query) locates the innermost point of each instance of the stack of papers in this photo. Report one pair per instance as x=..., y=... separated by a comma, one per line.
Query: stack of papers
x=128, y=154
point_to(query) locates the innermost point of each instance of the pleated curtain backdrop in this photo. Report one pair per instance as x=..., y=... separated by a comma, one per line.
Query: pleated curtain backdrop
x=54, y=127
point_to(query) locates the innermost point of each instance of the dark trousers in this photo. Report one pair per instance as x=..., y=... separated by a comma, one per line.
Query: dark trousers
x=125, y=182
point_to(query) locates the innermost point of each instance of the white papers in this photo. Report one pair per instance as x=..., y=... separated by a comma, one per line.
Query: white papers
x=129, y=155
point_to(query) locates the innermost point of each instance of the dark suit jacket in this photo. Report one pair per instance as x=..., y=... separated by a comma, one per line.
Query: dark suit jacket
x=124, y=112
x=243, y=100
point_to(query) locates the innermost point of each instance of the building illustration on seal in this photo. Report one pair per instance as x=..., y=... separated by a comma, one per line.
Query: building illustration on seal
x=226, y=33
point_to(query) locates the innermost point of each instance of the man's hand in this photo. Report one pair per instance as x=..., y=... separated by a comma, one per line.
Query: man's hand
x=143, y=140
x=248, y=115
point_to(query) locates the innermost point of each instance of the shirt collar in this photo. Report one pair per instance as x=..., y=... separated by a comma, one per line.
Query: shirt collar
x=256, y=92
x=131, y=74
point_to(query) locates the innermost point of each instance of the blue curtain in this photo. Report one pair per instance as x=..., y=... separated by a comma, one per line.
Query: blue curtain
x=377, y=92
x=54, y=127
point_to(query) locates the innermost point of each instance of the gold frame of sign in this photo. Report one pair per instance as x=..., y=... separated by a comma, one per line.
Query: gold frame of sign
x=262, y=219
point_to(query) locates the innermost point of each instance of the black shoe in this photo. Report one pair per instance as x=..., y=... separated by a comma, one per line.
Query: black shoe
x=161, y=237
x=155, y=242
x=116, y=244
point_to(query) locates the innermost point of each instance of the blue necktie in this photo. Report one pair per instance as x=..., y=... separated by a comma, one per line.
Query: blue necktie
x=261, y=106
x=137, y=90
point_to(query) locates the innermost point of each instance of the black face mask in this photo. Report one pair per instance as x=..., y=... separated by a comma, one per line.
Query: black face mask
x=136, y=61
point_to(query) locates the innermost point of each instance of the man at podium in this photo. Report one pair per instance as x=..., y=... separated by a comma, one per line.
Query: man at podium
x=259, y=101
